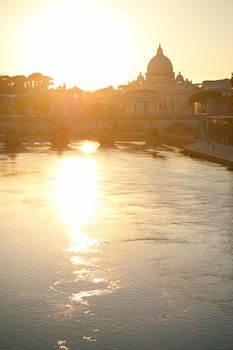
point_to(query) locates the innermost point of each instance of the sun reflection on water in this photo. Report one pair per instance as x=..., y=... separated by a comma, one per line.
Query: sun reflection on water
x=82, y=297
x=88, y=147
x=62, y=345
x=76, y=196
x=76, y=193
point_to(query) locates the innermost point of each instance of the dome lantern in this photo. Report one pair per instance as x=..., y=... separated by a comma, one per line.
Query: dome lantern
x=159, y=50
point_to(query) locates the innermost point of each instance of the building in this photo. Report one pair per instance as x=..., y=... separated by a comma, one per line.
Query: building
x=162, y=93
x=159, y=93
x=223, y=85
x=213, y=98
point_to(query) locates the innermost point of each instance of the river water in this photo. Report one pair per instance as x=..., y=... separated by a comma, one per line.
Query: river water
x=115, y=249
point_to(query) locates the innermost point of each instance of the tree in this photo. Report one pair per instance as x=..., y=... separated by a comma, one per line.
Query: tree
x=38, y=81
x=204, y=96
x=4, y=84
x=18, y=84
x=46, y=82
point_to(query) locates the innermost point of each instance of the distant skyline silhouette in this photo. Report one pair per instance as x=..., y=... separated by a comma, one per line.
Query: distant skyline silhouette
x=93, y=44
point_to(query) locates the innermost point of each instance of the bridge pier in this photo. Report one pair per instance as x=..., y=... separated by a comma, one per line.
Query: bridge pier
x=59, y=136
x=11, y=139
x=153, y=138
x=107, y=138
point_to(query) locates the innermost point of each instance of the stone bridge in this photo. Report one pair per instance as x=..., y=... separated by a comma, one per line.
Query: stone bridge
x=56, y=129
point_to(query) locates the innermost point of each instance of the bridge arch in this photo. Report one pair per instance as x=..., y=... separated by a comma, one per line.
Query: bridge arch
x=36, y=131
x=178, y=128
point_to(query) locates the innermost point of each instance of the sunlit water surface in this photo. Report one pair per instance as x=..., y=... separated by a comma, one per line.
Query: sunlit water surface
x=115, y=249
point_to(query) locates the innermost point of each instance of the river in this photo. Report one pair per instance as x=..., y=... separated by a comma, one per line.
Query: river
x=118, y=248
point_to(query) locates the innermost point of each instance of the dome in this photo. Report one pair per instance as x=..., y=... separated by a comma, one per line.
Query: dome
x=140, y=78
x=159, y=63
x=180, y=78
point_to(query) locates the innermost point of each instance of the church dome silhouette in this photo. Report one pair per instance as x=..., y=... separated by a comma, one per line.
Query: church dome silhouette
x=159, y=63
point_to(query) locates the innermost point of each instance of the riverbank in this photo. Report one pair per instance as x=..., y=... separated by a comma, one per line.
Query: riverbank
x=215, y=152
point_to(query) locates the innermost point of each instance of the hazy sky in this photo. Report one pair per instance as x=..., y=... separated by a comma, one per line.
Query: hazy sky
x=96, y=43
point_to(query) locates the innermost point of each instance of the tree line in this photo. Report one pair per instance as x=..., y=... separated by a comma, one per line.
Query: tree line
x=213, y=100
x=34, y=95
x=20, y=84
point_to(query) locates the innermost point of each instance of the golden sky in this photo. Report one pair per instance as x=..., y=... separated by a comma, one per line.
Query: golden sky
x=97, y=43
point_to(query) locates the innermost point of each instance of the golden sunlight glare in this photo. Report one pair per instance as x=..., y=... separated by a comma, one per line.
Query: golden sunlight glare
x=75, y=194
x=78, y=44
x=88, y=147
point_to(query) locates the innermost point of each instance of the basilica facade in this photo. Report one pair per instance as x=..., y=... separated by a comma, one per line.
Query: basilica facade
x=159, y=93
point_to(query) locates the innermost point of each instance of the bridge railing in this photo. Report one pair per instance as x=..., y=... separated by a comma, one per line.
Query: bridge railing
x=88, y=117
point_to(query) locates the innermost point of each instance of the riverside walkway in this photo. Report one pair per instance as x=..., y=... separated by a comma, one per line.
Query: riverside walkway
x=213, y=151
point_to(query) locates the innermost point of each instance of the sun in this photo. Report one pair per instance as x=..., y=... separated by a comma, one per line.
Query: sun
x=78, y=43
